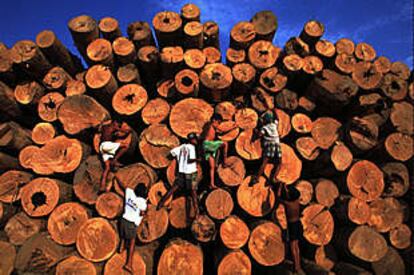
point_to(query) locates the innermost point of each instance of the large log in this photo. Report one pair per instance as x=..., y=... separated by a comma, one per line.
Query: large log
x=168, y=28
x=56, y=79
x=179, y=214
x=211, y=34
x=203, y=228
x=75, y=265
x=155, y=111
x=13, y=137
x=101, y=82
x=215, y=81
x=187, y=83
x=235, y=262
x=128, y=74
x=263, y=54
x=193, y=35
x=155, y=144
x=84, y=29
x=172, y=59
x=265, y=25
x=234, y=232
x=43, y=132
x=81, y=112
x=29, y=93
x=234, y=56
x=11, y=183
x=9, y=107
x=129, y=99
x=312, y=32
x=233, y=173
x=318, y=224
x=96, y=240
x=21, y=227
x=109, y=205
x=173, y=259
x=219, y=204
x=40, y=196
x=257, y=200
x=109, y=28
x=124, y=51
x=140, y=34
x=266, y=245
x=131, y=175
x=154, y=225
x=29, y=58
x=362, y=240
x=365, y=180
x=242, y=35
x=65, y=221
x=48, y=106
x=385, y=214
x=190, y=12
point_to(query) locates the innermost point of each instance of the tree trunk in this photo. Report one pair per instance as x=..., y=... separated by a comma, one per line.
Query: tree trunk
x=219, y=204
x=265, y=25
x=234, y=232
x=109, y=28
x=154, y=225
x=168, y=28
x=129, y=99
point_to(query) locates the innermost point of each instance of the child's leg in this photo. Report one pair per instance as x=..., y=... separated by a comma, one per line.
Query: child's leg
x=105, y=175
x=166, y=196
x=121, y=246
x=121, y=151
x=212, y=164
x=276, y=169
x=130, y=255
x=224, y=147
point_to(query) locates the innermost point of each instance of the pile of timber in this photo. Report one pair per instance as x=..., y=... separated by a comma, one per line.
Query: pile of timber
x=346, y=125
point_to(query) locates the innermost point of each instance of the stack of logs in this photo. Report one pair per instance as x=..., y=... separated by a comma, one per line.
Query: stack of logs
x=346, y=123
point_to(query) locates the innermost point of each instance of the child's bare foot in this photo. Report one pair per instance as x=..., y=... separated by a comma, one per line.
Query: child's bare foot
x=128, y=268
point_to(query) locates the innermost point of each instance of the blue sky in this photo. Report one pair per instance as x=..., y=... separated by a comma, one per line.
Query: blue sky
x=386, y=24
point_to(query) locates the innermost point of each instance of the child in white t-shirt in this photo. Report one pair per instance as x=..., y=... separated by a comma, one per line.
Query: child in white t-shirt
x=134, y=211
x=186, y=177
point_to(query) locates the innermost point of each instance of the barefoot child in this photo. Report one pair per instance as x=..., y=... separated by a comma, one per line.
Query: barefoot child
x=112, y=147
x=134, y=211
x=185, y=155
x=211, y=145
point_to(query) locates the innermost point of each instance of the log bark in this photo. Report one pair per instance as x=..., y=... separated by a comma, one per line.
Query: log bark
x=234, y=57
x=312, y=32
x=109, y=205
x=263, y=54
x=128, y=74
x=235, y=262
x=48, y=106
x=234, y=232
x=266, y=245
x=102, y=83
x=156, y=111
x=361, y=134
x=8, y=256
x=11, y=183
x=396, y=178
x=168, y=28
x=65, y=221
x=13, y=137
x=40, y=254
x=154, y=225
x=96, y=245
x=40, y=196
x=187, y=83
x=124, y=51
x=203, y=229
x=219, y=204
x=173, y=259
x=244, y=76
x=318, y=224
x=56, y=79
x=149, y=64
x=265, y=25
x=211, y=34
x=242, y=35
x=129, y=99
x=139, y=32
x=9, y=107
x=257, y=200
x=57, y=53
x=75, y=265
x=365, y=180
x=21, y=227
x=109, y=28
x=155, y=144
x=30, y=59
x=172, y=60
x=8, y=162
x=8, y=74
x=190, y=12
x=193, y=35
x=84, y=29
x=81, y=112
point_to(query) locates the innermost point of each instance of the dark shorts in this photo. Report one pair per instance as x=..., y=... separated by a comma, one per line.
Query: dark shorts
x=188, y=181
x=271, y=149
x=294, y=230
x=127, y=229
